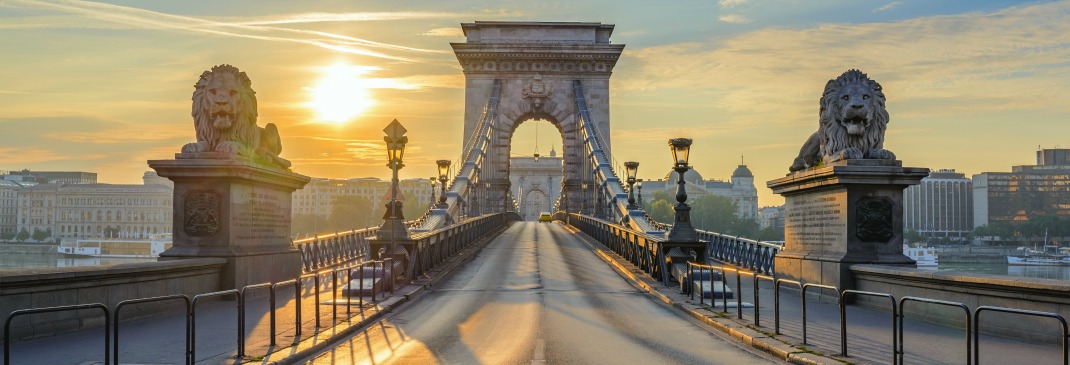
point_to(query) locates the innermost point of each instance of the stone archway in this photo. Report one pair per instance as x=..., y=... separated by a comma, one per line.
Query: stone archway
x=537, y=64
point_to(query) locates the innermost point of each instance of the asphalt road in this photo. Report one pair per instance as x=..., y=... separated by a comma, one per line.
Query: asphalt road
x=536, y=294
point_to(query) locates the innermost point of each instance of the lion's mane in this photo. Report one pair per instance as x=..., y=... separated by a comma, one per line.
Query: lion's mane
x=835, y=138
x=851, y=100
x=224, y=117
x=243, y=130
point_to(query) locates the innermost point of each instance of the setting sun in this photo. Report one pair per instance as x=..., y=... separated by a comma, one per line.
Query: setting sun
x=341, y=93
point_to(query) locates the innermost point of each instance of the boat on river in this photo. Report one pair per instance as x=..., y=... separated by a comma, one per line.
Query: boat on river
x=128, y=248
x=924, y=256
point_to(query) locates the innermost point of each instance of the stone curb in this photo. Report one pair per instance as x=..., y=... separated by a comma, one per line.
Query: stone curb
x=748, y=336
x=400, y=297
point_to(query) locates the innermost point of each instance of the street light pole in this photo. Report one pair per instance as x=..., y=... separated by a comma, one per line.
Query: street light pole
x=681, y=230
x=443, y=177
x=395, y=146
x=632, y=169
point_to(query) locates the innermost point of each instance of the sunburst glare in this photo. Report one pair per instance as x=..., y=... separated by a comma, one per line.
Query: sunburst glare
x=341, y=94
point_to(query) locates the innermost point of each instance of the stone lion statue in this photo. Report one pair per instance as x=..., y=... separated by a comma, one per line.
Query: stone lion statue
x=853, y=121
x=224, y=116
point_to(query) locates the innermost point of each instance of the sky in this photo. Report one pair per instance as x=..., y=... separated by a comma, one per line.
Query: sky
x=971, y=85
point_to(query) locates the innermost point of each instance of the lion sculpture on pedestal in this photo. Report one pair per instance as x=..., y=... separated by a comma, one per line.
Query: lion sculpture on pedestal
x=853, y=121
x=224, y=116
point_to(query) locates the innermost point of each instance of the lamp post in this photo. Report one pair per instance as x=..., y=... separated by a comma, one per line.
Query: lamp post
x=431, y=204
x=443, y=172
x=639, y=185
x=681, y=230
x=632, y=169
x=394, y=224
x=583, y=205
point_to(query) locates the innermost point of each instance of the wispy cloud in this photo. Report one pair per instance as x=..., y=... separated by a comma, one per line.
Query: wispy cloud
x=91, y=14
x=731, y=3
x=734, y=19
x=335, y=17
x=888, y=6
x=445, y=32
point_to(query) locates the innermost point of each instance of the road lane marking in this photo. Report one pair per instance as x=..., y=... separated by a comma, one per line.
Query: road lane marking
x=540, y=352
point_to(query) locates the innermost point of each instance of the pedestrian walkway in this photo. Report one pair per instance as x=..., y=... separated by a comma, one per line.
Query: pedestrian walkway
x=869, y=330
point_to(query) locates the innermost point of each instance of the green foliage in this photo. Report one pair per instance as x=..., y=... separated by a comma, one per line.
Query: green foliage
x=23, y=235
x=7, y=235
x=771, y=233
x=913, y=236
x=413, y=208
x=40, y=235
x=351, y=212
x=708, y=212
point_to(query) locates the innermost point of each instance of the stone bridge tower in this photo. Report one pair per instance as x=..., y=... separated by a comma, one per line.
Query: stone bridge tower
x=537, y=63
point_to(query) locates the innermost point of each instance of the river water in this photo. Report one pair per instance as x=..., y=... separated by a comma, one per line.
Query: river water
x=33, y=260
x=25, y=260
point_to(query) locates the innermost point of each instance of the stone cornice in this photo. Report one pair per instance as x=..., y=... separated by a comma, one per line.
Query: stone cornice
x=538, y=58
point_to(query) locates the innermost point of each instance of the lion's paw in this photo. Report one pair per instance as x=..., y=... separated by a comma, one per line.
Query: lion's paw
x=851, y=153
x=881, y=154
x=195, y=147
x=229, y=147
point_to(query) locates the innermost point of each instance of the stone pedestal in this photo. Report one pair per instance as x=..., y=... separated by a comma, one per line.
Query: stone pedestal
x=235, y=210
x=840, y=215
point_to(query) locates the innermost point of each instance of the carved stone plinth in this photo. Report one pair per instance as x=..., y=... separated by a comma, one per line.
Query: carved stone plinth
x=235, y=210
x=844, y=214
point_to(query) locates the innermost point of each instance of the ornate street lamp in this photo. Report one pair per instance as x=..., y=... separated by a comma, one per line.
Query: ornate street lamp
x=536, y=157
x=639, y=185
x=681, y=230
x=394, y=224
x=431, y=205
x=443, y=177
x=632, y=168
x=583, y=205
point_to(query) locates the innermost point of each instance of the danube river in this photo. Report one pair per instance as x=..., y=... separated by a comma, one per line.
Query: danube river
x=32, y=260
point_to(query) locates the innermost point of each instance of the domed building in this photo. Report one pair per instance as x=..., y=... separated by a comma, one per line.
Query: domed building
x=740, y=188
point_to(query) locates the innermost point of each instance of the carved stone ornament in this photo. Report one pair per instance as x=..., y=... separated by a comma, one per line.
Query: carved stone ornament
x=202, y=213
x=853, y=119
x=874, y=219
x=537, y=89
x=224, y=117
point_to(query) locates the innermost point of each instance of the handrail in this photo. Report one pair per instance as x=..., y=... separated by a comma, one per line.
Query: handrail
x=21, y=312
x=193, y=319
x=115, y=332
x=902, y=314
x=977, y=328
x=843, y=319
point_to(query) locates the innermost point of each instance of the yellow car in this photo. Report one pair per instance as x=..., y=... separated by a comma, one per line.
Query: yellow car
x=545, y=217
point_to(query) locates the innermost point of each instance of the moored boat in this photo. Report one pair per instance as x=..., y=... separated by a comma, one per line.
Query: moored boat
x=142, y=248
x=924, y=256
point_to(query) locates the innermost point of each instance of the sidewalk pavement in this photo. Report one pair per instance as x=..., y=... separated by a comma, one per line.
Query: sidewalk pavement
x=869, y=330
x=160, y=339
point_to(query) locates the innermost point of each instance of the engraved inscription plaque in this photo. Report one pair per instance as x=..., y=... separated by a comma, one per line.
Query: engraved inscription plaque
x=264, y=217
x=816, y=221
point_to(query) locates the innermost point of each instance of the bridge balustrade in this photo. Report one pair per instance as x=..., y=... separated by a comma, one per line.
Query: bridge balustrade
x=334, y=249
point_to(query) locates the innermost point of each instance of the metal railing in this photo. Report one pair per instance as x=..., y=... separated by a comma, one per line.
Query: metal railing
x=333, y=249
x=432, y=248
x=640, y=249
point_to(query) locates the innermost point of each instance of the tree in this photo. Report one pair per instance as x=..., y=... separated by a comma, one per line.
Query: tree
x=23, y=236
x=40, y=235
x=7, y=236
x=771, y=233
x=350, y=212
x=413, y=208
x=912, y=236
x=661, y=211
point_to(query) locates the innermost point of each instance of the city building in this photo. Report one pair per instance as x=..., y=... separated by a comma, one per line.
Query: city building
x=51, y=177
x=940, y=206
x=771, y=217
x=740, y=188
x=9, y=193
x=536, y=184
x=1028, y=191
x=317, y=198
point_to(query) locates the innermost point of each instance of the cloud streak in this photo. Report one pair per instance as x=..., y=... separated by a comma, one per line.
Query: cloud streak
x=111, y=15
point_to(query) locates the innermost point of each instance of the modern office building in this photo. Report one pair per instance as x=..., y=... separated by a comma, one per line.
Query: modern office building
x=51, y=177
x=1026, y=192
x=940, y=206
